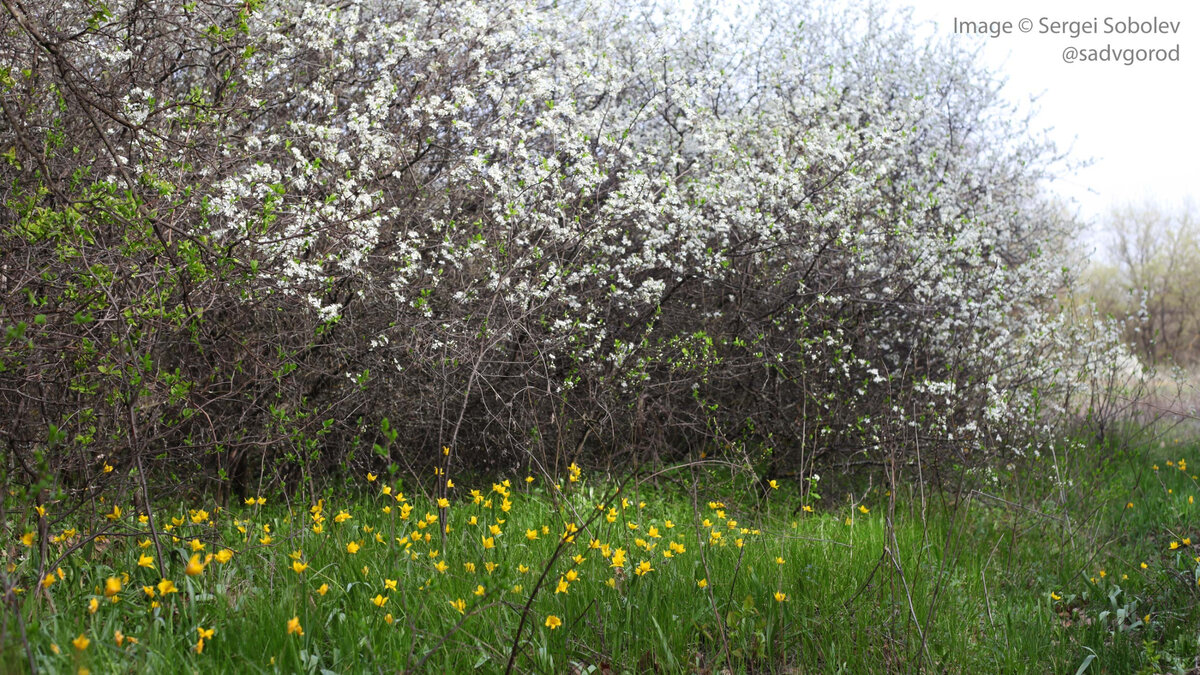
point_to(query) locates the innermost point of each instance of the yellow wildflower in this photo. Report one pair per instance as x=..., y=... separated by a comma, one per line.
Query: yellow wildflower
x=194, y=566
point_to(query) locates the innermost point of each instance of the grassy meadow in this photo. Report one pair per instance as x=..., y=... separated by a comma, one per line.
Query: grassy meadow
x=690, y=570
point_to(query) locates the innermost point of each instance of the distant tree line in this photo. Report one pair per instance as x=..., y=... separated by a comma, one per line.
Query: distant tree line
x=1148, y=276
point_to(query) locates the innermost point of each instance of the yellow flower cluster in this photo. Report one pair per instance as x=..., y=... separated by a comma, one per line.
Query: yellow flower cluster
x=465, y=550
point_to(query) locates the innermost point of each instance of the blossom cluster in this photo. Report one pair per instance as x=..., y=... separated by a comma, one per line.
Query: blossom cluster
x=523, y=229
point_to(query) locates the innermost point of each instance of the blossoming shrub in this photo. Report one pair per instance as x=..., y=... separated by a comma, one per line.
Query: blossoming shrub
x=238, y=235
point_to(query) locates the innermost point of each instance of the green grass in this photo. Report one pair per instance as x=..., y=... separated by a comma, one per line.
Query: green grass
x=961, y=583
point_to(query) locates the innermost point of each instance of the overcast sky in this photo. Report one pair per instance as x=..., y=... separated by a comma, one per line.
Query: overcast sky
x=1140, y=122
